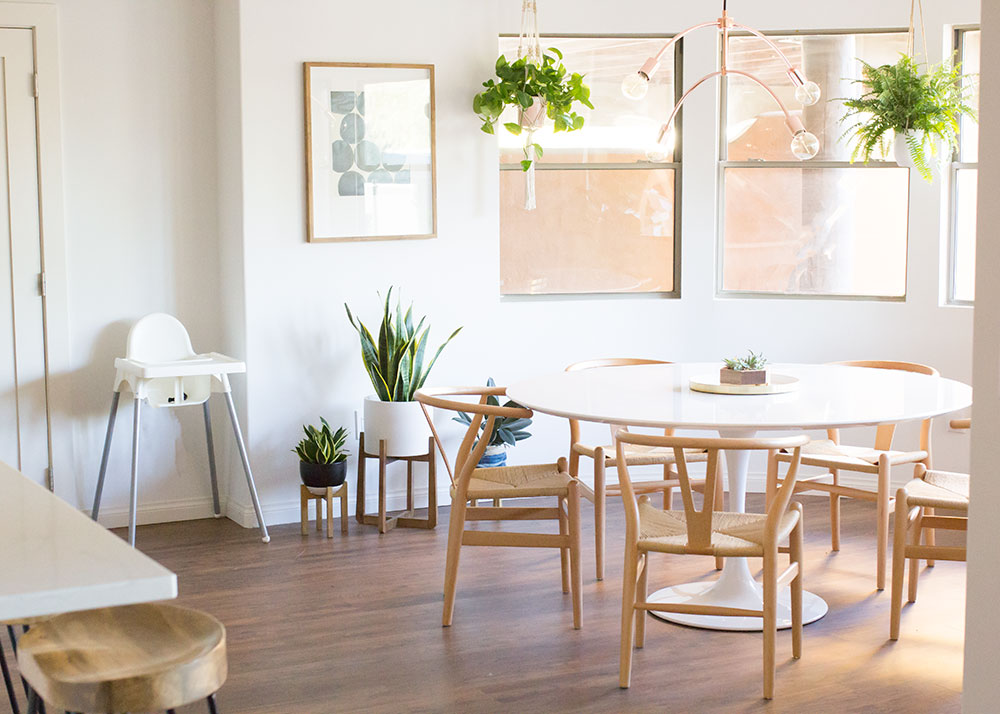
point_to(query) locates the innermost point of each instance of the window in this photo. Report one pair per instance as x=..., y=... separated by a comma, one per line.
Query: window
x=823, y=227
x=606, y=218
x=964, y=172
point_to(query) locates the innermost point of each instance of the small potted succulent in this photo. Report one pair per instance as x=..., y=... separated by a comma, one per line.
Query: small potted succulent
x=917, y=110
x=744, y=370
x=395, y=365
x=507, y=431
x=322, y=458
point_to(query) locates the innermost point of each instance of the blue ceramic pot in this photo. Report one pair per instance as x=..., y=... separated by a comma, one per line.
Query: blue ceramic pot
x=494, y=456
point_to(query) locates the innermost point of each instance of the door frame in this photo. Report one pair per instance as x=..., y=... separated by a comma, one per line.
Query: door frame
x=42, y=20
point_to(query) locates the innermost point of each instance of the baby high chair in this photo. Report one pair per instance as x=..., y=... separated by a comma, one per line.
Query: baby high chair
x=162, y=368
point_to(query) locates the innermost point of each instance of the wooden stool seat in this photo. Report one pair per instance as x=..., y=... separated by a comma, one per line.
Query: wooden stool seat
x=321, y=496
x=134, y=658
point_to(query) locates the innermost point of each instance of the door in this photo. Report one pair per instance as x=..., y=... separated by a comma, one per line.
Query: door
x=24, y=423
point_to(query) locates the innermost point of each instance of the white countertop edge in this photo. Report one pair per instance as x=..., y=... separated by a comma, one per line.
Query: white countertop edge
x=151, y=589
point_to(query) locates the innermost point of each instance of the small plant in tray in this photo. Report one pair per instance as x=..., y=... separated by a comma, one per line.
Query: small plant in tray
x=744, y=370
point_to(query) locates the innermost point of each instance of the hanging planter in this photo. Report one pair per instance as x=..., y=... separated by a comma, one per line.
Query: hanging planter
x=540, y=87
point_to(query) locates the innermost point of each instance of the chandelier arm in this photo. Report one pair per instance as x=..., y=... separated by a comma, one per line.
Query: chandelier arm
x=670, y=43
x=677, y=107
x=793, y=123
x=768, y=40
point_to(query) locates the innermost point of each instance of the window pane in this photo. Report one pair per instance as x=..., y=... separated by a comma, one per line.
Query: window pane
x=755, y=127
x=819, y=231
x=970, y=65
x=964, y=287
x=594, y=231
x=617, y=129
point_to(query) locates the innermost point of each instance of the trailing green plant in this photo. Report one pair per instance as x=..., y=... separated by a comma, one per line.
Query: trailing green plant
x=507, y=431
x=521, y=82
x=323, y=445
x=395, y=361
x=899, y=98
x=746, y=364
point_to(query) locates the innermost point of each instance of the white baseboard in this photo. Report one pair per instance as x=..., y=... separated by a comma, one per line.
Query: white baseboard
x=288, y=511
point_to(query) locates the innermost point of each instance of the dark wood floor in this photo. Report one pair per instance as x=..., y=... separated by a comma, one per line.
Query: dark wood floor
x=353, y=624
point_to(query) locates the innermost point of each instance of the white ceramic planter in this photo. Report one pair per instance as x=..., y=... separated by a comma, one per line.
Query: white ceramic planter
x=401, y=424
x=901, y=151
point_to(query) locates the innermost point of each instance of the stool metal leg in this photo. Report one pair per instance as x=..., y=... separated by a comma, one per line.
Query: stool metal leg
x=211, y=705
x=104, y=456
x=246, y=467
x=211, y=460
x=134, y=490
x=8, y=683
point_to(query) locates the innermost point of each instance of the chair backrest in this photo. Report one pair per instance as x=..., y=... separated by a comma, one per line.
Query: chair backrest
x=574, y=424
x=474, y=445
x=699, y=522
x=885, y=432
x=158, y=337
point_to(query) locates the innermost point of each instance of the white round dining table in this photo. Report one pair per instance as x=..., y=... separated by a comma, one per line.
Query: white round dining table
x=828, y=396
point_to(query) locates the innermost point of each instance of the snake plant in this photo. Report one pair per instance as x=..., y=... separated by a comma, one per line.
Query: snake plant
x=395, y=361
x=507, y=431
x=323, y=445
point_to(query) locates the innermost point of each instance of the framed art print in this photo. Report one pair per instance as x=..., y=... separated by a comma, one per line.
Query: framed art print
x=370, y=172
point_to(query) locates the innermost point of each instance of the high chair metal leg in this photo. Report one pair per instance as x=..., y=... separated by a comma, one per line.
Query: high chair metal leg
x=133, y=500
x=246, y=467
x=211, y=459
x=105, y=454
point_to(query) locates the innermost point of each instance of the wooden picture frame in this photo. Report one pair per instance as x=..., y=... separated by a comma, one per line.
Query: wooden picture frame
x=371, y=170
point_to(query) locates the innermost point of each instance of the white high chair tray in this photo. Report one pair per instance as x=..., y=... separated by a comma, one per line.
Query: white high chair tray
x=208, y=363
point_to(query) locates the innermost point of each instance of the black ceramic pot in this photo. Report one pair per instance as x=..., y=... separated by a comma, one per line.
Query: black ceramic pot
x=323, y=475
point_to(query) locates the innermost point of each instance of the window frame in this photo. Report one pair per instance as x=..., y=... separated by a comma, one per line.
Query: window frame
x=676, y=165
x=811, y=164
x=956, y=165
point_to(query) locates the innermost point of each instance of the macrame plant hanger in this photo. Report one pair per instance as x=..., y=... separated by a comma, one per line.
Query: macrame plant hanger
x=530, y=47
x=916, y=6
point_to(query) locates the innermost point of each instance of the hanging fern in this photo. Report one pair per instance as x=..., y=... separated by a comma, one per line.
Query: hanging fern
x=898, y=98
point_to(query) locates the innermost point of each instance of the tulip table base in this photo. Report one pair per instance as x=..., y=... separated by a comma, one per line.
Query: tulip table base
x=734, y=588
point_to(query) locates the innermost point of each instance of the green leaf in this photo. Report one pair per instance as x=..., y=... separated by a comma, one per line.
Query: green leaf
x=513, y=127
x=525, y=164
x=556, y=52
x=539, y=152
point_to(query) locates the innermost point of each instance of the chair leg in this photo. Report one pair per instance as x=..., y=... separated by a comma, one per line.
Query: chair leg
x=629, y=583
x=8, y=683
x=915, y=528
x=576, y=577
x=213, y=477
x=133, y=499
x=835, y=515
x=212, y=708
x=105, y=454
x=898, y=564
x=770, y=583
x=246, y=467
x=719, y=506
x=600, y=509
x=882, y=537
x=642, y=589
x=796, y=555
x=563, y=506
x=929, y=537
x=456, y=525
x=33, y=702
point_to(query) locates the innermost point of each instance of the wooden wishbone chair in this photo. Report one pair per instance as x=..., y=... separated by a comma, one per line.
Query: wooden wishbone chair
x=830, y=454
x=710, y=532
x=604, y=458
x=914, y=515
x=471, y=483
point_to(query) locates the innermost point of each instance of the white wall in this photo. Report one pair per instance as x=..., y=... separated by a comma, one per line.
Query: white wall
x=303, y=355
x=981, y=688
x=139, y=147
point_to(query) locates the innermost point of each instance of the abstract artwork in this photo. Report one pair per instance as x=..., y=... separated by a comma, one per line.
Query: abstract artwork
x=369, y=151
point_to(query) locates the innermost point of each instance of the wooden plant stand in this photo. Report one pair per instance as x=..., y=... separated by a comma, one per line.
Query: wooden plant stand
x=402, y=519
x=320, y=495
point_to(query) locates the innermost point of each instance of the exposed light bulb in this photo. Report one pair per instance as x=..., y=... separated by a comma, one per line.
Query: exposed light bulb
x=657, y=153
x=805, y=145
x=635, y=85
x=807, y=94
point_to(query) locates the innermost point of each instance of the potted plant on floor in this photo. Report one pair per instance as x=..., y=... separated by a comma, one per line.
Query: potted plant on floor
x=917, y=110
x=507, y=431
x=744, y=370
x=322, y=458
x=395, y=364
